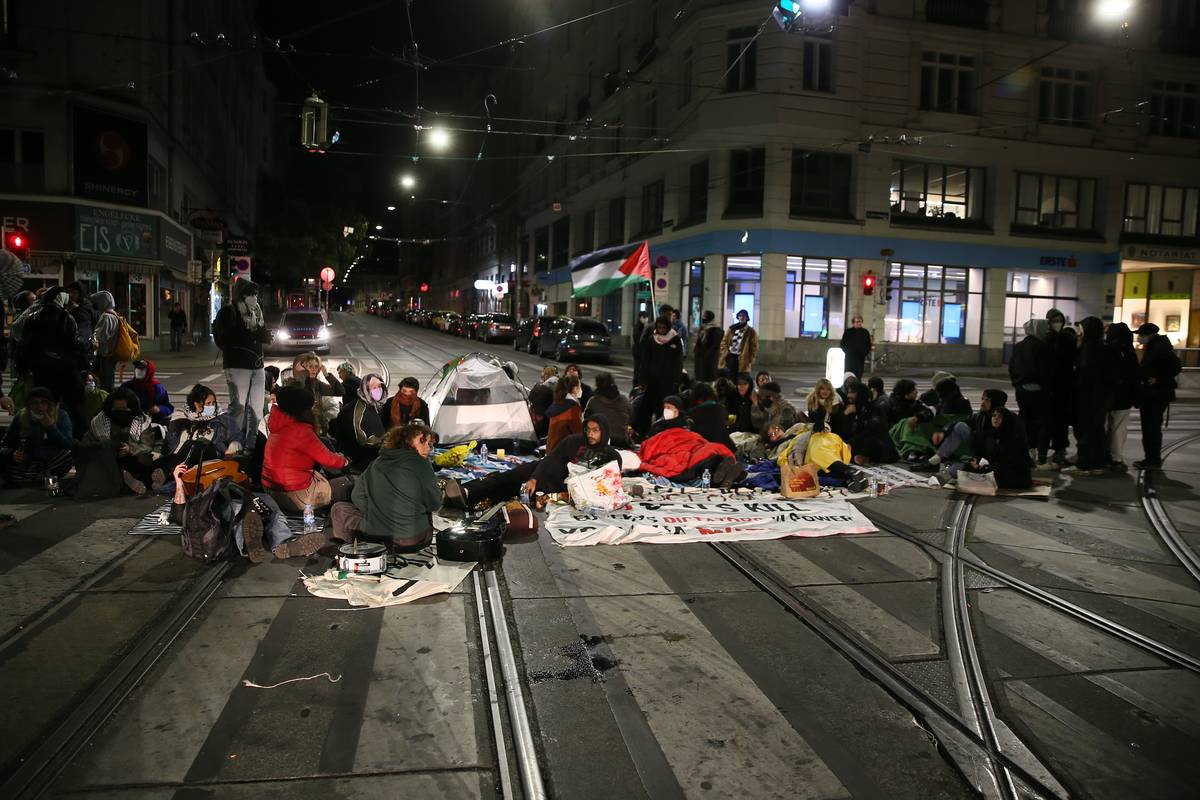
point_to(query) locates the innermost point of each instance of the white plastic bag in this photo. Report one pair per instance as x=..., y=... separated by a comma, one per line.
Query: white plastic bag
x=976, y=483
x=598, y=489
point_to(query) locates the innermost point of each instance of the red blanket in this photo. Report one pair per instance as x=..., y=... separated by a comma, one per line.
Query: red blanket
x=676, y=450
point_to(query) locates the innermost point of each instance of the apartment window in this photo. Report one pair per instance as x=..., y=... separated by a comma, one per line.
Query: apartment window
x=741, y=67
x=616, y=220
x=1161, y=210
x=697, y=196
x=22, y=161
x=1173, y=109
x=815, y=303
x=818, y=65
x=1065, y=97
x=929, y=304
x=941, y=193
x=685, y=78
x=820, y=184
x=589, y=232
x=947, y=83
x=746, y=175
x=560, y=242
x=156, y=181
x=1055, y=202
x=652, y=207
x=650, y=116
x=541, y=249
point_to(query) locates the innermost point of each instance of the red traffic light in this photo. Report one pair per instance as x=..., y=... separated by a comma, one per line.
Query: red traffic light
x=868, y=283
x=424, y=287
x=18, y=245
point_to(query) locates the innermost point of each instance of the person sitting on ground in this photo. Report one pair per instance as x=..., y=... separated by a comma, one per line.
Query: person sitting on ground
x=829, y=452
x=405, y=406
x=565, y=415
x=725, y=388
x=307, y=373
x=672, y=416
x=198, y=432
x=708, y=417
x=394, y=500
x=762, y=378
x=772, y=409
x=849, y=381
x=950, y=400
x=151, y=394
x=904, y=404
x=863, y=426
x=876, y=395
x=608, y=402
x=541, y=397
x=822, y=400
x=590, y=449
x=349, y=379
x=1001, y=444
x=742, y=404
x=93, y=396
x=360, y=425
x=38, y=441
x=122, y=426
x=573, y=370
x=955, y=437
x=293, y=453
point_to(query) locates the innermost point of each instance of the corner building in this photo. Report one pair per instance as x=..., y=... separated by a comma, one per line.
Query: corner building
x=986, y=161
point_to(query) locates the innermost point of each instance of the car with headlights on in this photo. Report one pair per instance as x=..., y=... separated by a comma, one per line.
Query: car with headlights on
x=300, y=330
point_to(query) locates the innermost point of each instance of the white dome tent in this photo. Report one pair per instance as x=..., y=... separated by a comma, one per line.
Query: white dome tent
x=478, y=396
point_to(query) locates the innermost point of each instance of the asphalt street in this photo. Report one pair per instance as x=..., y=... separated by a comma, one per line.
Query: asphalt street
x=1001, y=647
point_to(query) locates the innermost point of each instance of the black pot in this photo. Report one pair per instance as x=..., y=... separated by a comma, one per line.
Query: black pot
x=471, y=541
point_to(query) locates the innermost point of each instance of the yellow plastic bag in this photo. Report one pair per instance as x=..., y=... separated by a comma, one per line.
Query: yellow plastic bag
x=824, y=448
x=455, y=456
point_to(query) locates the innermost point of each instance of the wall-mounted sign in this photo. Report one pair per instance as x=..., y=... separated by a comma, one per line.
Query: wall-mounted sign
x=237, y=245
x=116, y=233
x=1155, y=252
x=500, y=289
x=1070, y=262
x=110, y=157
x=485, y=285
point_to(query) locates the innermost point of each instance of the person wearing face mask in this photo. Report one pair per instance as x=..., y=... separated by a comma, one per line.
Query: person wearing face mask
x=361, y=425
x=123, y=427
x=37, y=442
x=566, y=413
x=1156, y=376
x=240, y=331
x=773, y=409
x=672, y=416
x=93, y=397
x=405, y=405
x=150, y=393
x=660, y=368
x=197, y=432
x=1060, y=398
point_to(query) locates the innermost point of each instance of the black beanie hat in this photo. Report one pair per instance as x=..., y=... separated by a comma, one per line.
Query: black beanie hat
x=294, y=400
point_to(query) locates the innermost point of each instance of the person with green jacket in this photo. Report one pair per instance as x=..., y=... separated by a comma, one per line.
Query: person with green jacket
x=393, y=501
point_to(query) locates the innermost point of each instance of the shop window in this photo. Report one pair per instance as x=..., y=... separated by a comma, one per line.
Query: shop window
x=818, y=65
x=815, y=304
x=820, y=184
x=1029, y=295
x=746, y=176
x=940, y=194
x=1064, y=97
x=1055, y=202
x=1161, y=210
x=652, y=208
x=1173, y=109
x=693, y=291
x=743, y=277
x=929, y=304
x=948, y=83
x=741, y=67
x=697, y=196
x=156, y=183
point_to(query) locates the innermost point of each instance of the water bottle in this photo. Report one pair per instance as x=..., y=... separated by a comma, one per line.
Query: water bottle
x=310, y=519
x=706, y=480
x=483, y=452
x=52, y=485
x=516, y=447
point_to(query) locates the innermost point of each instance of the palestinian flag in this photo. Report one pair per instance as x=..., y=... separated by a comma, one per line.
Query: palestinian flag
x=607, y=270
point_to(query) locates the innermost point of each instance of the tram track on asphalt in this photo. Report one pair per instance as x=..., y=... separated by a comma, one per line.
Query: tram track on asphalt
x=1156, y=512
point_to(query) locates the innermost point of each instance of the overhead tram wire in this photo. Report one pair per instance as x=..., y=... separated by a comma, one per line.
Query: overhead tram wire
x=520, y=39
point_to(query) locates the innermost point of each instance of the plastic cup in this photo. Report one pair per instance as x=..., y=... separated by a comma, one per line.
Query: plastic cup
x=500, y=453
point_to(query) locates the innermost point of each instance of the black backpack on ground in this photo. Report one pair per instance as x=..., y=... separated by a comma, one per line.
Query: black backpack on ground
x=209, y=521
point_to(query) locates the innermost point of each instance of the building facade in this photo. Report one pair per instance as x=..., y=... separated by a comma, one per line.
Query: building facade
x=131, y=146
x=984, y=161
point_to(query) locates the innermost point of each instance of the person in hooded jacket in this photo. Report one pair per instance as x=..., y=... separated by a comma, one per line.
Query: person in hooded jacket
x=541, y=397
x=394, y=500
x=1001, y=444
x=660, y=368
x=863, y=425
x=240, y=331
x=1095, y=377
x=293, y=453
x=741, y=404
x=1157, y=375
x=955, y=435
x=773, y=408
x=104, y=335
x=197, y=432
x=1124, y=391
x=84, y=313
x=672, y=416
x=1060, y=398
x=92, y=400
x=52, y=348
x=37, y=442
x=707, y=416
x=566, y=414
x=361, y=424
x=608, y=402
x=122, y=426
x=405, y=405
x=1027, y=370
x=590, y=449
x=904, y=404
x=178, y=318
x=707, y=351
x=151, y=394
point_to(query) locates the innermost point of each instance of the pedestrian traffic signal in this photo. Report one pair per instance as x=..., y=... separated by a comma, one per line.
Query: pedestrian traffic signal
x=869, y=283
x=17, y=243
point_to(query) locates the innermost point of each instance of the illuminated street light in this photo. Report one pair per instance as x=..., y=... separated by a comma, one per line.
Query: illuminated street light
x=378, y=227
x=439, y=139
x=391, y=208
x=408, y=181
x=1113, y=10
x=815, y=6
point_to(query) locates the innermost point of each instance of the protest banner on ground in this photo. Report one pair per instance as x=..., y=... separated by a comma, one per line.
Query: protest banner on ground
x=697, y=517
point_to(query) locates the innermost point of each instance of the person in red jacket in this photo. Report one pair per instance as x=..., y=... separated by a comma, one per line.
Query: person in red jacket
x=566, y=414
x=293, y=453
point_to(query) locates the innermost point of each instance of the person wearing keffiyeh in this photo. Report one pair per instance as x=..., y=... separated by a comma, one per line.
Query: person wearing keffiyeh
x=405, y=405
x=361, y=424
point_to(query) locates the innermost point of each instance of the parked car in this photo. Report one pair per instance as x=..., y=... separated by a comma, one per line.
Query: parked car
x=529, y=331
x=452, y=323
x=300, y=330
x=575, y=338
x=471, y=324
x=495, y=328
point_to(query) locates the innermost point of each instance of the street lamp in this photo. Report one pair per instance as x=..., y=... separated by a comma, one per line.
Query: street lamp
x=408, y=181
x=391, y=208
x=1113, y=10
x=438, y=138
x=378, y=227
